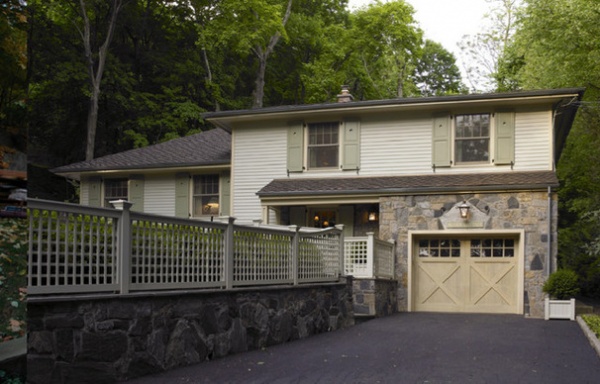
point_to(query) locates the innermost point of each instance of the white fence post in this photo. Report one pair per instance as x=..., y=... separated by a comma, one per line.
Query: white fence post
x=342, y=251
x=370, y=254
x=228, y=252
x=295, y=252
x=124, y=244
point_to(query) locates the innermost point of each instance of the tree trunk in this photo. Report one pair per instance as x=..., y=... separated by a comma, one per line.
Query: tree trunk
x=263, y=56
x=95, y=70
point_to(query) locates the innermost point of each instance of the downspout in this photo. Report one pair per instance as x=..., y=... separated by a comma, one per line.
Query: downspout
x=550, y=235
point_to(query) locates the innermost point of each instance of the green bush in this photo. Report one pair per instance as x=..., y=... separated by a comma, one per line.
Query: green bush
x=593, y=321
x=562, y=284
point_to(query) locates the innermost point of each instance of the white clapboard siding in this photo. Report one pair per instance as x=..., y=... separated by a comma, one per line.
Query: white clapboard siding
x=397, y=147
x=259, y=156
x=533, y=141
x=84, y=193
x=159, y=194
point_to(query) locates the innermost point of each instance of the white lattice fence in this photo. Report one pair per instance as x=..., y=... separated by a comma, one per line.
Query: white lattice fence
x=72, y=250
x=176, y=253
x=262, y=256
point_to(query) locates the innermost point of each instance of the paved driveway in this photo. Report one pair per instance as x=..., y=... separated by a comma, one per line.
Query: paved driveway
x=414, y=348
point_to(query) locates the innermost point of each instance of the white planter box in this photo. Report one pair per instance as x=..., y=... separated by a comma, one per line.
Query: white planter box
x=559, y=309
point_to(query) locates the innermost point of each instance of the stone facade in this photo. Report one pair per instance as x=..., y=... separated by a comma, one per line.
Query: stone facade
x=116, y=338
x=526, y=211
x=374, y=297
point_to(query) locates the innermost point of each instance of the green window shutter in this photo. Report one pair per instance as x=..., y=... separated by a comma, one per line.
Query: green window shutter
x=136, y=192
x=346, y=217
x=182, y=195
x=295, y=147
x=442, y=142
x=351, y=145
x=94, y=191
x=225, y=199
x=505, y=138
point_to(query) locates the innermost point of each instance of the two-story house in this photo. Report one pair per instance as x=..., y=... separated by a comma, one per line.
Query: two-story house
x=464, y=184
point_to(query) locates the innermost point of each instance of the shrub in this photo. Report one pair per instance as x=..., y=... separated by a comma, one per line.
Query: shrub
x=562, y=284
x=593, y=321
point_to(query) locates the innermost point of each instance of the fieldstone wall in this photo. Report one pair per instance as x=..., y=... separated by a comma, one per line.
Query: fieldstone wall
x=518, y=210
x=110, y=339
x=374, y=297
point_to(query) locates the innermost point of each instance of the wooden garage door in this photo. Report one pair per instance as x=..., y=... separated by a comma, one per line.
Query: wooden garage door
x=476, y=275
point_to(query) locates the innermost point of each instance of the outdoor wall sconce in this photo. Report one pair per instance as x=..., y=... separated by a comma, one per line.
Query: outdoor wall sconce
x=464, y=209
x=372, y=216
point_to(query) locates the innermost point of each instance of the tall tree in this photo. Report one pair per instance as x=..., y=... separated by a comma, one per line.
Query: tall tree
x=436, y=72
x=95, y=64
x=557, y=45
x=388, y=46
x=482, y=51
x=254, y=27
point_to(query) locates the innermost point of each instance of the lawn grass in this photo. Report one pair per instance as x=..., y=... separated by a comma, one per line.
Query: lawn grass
x=13, y=278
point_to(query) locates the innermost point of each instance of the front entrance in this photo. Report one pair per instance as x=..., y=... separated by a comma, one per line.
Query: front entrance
x=476, y=274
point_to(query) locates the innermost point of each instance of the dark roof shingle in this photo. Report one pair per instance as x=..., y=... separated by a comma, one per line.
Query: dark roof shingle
x=409, y=184
x=206, y=148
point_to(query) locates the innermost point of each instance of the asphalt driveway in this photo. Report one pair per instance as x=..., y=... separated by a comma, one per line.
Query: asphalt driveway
x=414, y=348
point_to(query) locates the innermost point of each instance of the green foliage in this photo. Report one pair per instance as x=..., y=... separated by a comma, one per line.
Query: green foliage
x=13, y=278
x=436, y=73
x=592, y=321
x=5, y=378
x=562, y=284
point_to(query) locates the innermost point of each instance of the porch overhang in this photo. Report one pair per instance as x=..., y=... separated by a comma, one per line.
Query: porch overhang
x=369, y=189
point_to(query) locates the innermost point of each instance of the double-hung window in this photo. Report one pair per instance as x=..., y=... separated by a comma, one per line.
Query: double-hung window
x=323, y=145
x=477, y=138
x=206, y=195
x=327, y=145
x=114, y=189
x=472, y=138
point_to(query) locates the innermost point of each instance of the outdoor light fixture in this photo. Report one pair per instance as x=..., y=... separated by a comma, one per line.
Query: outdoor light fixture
x=464, y=209
x=372, y=216
x=316, y=218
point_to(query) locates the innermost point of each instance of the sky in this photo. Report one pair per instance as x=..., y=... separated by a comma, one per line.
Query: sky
x=446, y=21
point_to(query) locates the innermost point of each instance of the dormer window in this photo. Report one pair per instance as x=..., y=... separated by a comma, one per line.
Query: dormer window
x=323, y=145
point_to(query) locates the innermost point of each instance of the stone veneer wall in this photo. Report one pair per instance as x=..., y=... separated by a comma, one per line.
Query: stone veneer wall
x=110, y=339
x=374, y=297
x=518, y=210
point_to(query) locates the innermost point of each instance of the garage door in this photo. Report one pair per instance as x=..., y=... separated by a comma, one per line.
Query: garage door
x=478, y=275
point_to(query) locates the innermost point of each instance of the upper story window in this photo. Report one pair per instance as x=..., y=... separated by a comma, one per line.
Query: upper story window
x=329, y=145
x=206, y=195
x=477, y=139
x=323, y=145
x=472, y=138
x=114, y=189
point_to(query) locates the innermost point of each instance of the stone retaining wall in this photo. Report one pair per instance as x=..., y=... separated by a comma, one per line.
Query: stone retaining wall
x=102, y=340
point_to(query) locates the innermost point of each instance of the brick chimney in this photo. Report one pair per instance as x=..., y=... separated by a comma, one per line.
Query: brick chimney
x=345, y=96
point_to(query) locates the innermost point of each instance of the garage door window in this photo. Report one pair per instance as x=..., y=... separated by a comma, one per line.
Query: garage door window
x=492, y=248
x=439, y=248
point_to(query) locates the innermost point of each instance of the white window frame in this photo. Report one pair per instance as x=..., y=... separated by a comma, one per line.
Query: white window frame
x=307, y=146
x=211, y=206
x=107, y=183
x=491, y=138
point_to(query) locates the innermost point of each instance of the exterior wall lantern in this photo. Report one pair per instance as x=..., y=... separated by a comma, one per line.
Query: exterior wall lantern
x=464, y=210
x=372, y=216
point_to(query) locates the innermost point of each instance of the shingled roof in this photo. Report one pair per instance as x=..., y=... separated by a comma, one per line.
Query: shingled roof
x=433, y=183
x=207, y=148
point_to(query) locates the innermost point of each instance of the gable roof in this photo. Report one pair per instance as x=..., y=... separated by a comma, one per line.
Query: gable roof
x=385, y=185
x=206, y=148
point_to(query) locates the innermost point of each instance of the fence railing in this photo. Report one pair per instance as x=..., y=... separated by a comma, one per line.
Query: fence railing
x=76, y=249
x=369, y=257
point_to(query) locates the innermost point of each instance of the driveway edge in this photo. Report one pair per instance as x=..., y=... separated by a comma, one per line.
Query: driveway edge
x=590, y=335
